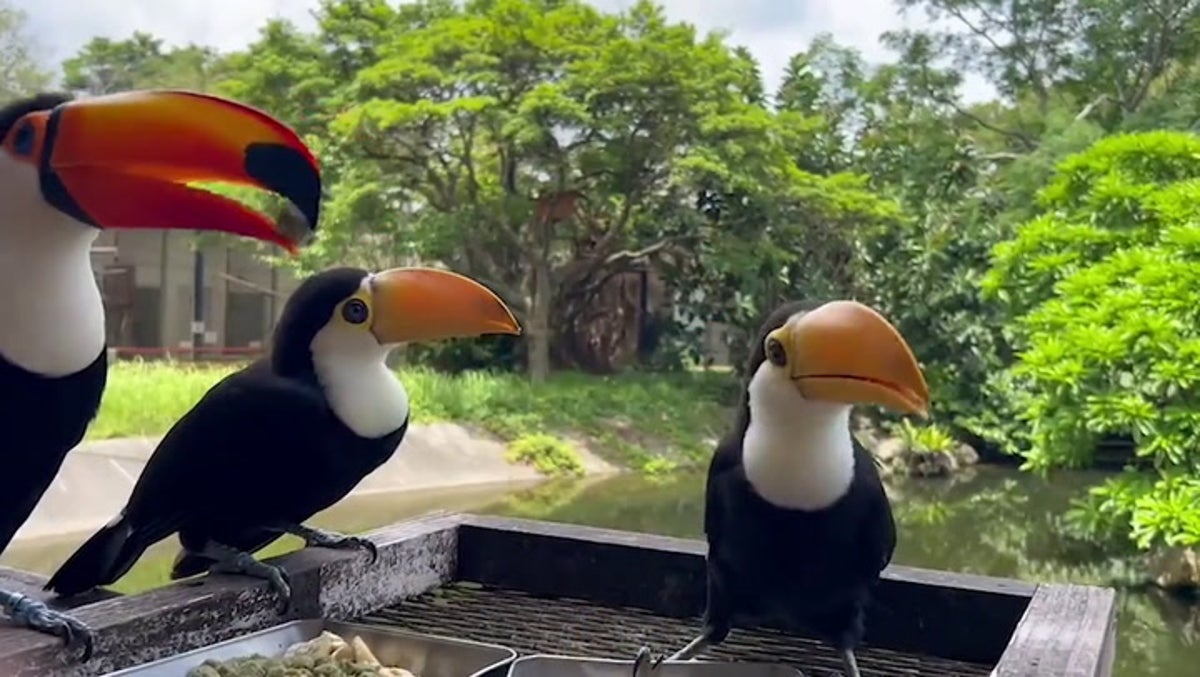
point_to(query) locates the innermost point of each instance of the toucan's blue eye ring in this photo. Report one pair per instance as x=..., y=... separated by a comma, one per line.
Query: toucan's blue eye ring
x=355, y=311
x=23, y=138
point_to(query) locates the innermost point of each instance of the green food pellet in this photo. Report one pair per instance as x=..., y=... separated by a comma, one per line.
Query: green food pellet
x=303, y=665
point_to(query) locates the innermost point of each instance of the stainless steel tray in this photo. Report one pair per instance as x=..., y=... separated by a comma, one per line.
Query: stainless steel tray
x=423, y=655
x=544, y=665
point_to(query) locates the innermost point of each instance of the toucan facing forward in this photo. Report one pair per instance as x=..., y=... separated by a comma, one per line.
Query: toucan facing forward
x=798, y=525
x=273, y=444
x=69, y=168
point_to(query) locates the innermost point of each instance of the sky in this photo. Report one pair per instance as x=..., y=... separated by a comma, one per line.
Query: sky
x=773, y=30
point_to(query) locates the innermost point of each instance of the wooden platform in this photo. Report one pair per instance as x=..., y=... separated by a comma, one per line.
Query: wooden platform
x=543, y=587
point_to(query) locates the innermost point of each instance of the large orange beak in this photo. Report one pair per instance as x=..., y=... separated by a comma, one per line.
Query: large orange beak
x=125, y=161
x=846, y=352
x=427, y=304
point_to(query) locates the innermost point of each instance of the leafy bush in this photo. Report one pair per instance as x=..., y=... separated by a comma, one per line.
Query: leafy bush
x=1103, y=292
x=924, y=275
x=926, y=439
x=548, y=454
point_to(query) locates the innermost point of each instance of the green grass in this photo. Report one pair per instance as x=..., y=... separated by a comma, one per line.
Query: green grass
x=643, y=420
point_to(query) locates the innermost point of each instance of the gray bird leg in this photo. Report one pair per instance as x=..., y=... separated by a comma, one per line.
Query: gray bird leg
x=30, y=613
x=693, y=647
x=646, y=661
x=850, y=663
x=329, y=539
x=227, y=560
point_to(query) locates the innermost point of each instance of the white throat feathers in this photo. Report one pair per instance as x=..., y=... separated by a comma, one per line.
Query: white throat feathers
x=798, y=454
x=50, y=306
x=352, y=369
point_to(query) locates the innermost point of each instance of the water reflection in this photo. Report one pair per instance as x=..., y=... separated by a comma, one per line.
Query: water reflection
x=995, y=522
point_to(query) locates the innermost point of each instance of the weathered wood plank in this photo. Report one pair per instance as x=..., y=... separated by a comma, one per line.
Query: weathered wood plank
x=1067, y=631
x=416, y=560
x=413, y=557
x=955, y=616
x=30, y=585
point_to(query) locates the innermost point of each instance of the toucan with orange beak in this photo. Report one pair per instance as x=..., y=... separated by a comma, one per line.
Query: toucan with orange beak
x=273, y=444
x=69, y=168
x=798, y=525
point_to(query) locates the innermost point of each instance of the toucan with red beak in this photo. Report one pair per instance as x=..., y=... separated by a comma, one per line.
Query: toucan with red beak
x=69, y=168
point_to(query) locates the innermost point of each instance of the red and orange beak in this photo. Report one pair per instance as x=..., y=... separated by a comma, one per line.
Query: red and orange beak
x=125, y=161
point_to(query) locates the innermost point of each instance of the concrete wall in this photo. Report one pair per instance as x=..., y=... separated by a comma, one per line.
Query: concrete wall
x=162, y=263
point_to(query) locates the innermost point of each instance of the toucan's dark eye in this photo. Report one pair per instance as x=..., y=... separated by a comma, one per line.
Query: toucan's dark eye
x=775, y=352
x=23, y=139
x=355, y=311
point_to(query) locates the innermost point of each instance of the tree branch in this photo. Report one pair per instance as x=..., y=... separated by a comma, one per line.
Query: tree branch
x=1029, y=143
x=1087, y=110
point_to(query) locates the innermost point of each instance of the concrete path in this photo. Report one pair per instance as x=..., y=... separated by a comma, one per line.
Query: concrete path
x=97, y=477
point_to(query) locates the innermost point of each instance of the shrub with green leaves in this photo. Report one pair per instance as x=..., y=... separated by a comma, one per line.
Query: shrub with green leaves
x=1103, y=294
x=548, y=454
x=925, y=439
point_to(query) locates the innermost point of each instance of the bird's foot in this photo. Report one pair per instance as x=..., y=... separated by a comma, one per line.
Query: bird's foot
x=646, y=661
x=33, y=614
x=697, y=645
x=850, y=663
x=328, y=539
x=231, y=561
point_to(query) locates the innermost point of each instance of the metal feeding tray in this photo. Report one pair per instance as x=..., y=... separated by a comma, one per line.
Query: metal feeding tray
x=545, y=665
x=421, y=654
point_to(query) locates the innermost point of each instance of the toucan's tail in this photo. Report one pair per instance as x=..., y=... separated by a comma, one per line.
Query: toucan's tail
x=101, y=560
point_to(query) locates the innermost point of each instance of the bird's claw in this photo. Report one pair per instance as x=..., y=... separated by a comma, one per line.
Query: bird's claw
x=35, y=615
x=327, y=539
x=644, y=657
x=245, y=564
x=353, y=543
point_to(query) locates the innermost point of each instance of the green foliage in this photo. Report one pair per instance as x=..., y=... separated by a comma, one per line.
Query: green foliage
x=18, y=62
x=1104, y=295
x=477, y=112
x=146, y=398
x=550, y=455
x=500, y=353
x=925, y=439
x=1049, y=300
x=632, y=419
x=659, y=467
x=922, y=268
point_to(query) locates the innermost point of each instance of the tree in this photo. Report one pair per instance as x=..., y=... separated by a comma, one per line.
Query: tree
x=20, y=74
x=545, y=147
x=900, y=124
x=103, y=65
x=1101, y=57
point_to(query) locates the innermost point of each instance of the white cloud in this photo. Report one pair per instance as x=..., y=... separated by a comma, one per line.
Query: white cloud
x=772, y=29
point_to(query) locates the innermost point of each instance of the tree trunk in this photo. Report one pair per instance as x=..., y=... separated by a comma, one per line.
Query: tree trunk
x=538, y=332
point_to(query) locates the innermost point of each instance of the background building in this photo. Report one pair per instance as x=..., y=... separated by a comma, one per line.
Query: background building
x=148, y=280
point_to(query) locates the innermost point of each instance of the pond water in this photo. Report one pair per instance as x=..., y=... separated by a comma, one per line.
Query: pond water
x=995, y=521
